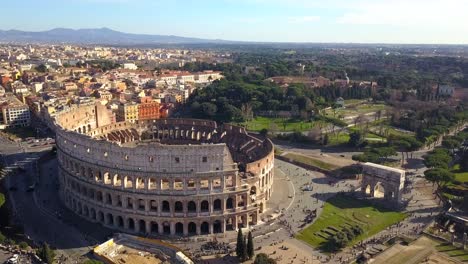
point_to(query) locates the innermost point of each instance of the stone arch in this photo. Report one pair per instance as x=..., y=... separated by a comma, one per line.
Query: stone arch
x=166, y=228
x=192, y=228
x=153, y=206
x=217, y=228
x=253, y=190
x=128, y=182
x=142, y=226
x=178, y=207
x=230, y=224
x=179, y=228
x=85, y=211
x=204, y=206
x=205, y=228
x=368, y=189
x=100, y=217
x=379, y=190
x=117, y=180
x=109, y=219
x=229, y=203
x=120, y=222
x=108, y=198
x=217, y=205
x=154, y=228
x=131, y=224
x=166, y=207
x=192, y=206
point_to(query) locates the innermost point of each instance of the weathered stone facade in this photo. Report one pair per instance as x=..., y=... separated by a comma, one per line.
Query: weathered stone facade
x=167, y=176
x=377, y=176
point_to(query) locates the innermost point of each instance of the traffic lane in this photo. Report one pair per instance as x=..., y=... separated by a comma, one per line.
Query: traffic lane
x=39, y=225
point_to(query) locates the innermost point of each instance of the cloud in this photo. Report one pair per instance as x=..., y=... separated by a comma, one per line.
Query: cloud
x=403, y=13
x=303, y=19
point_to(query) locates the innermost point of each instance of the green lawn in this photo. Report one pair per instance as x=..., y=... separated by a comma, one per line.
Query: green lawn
x=338, y=139
x=343, y=211
x=459, y=176
x=454, y=252
x=278, y=124
x=310, y=161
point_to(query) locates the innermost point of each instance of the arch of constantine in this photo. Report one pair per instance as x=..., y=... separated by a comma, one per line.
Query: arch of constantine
x=383, y=182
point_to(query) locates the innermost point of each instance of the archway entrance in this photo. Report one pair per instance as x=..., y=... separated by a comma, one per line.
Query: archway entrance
x=205, y=228
x=379, y=191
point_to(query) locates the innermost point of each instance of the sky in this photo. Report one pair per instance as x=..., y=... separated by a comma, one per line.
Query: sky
x=342, y=21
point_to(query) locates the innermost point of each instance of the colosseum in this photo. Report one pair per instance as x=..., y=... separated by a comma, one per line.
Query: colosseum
x=178, y=177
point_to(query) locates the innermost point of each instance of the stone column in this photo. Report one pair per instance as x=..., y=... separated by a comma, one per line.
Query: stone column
x=172, y=228
x=185, y=228
x=148, y=227
x=198, y=228
x=210, y=228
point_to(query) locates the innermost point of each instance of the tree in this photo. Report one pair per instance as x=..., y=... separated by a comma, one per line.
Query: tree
x=326, y=140
x=46, y=254
x=439, y=176
x=240, y=245
x=41, y=68
x=438, y=158
x=250, y=246
x=356, y=139
x=263, y=258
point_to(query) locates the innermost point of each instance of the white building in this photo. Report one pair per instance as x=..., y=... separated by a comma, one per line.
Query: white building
x=130, y=66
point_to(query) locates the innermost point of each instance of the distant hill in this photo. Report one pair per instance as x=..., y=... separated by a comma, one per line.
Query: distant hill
x=96, y=36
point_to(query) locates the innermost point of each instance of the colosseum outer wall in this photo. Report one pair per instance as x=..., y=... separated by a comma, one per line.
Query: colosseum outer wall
x=162, y=189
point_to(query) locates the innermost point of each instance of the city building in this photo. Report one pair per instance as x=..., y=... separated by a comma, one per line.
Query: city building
x=127, y=111
x=13, y=113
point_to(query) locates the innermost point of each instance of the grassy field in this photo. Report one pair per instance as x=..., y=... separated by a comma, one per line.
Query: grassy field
x=342, y=211
x=454, y=252
x=459, y=176
x=355, y=110
x=310, y=161
x=279, y=124
x=338, y=139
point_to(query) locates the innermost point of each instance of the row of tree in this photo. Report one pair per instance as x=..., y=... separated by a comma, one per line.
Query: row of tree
x=244, y=248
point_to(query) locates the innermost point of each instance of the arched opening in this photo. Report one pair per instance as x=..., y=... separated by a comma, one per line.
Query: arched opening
x=166, y=228
x=100, y=217
x=178, y=207
x=142, y=226
x=217, y=227
x=117, y=180
x=192, y=228
x=154, y=228
x=261, y=208
x=166, y=207
x=120, y=222
x=217, y=205
x=368, y=189
x=153, y=206
x=229, y=224
x=204, y=206
x=229, y=203
x=110, y=219
x=108, y=198
x=141, y=205
x=379, y=191
x=131, y=224
x=179, y=229
x=85, y=211
x=253, y=190
x=93, y=214
x=192, y=207
x=205, y=228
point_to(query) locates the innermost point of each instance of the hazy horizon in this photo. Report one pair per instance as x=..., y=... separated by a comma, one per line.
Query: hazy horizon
x=272, y=21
